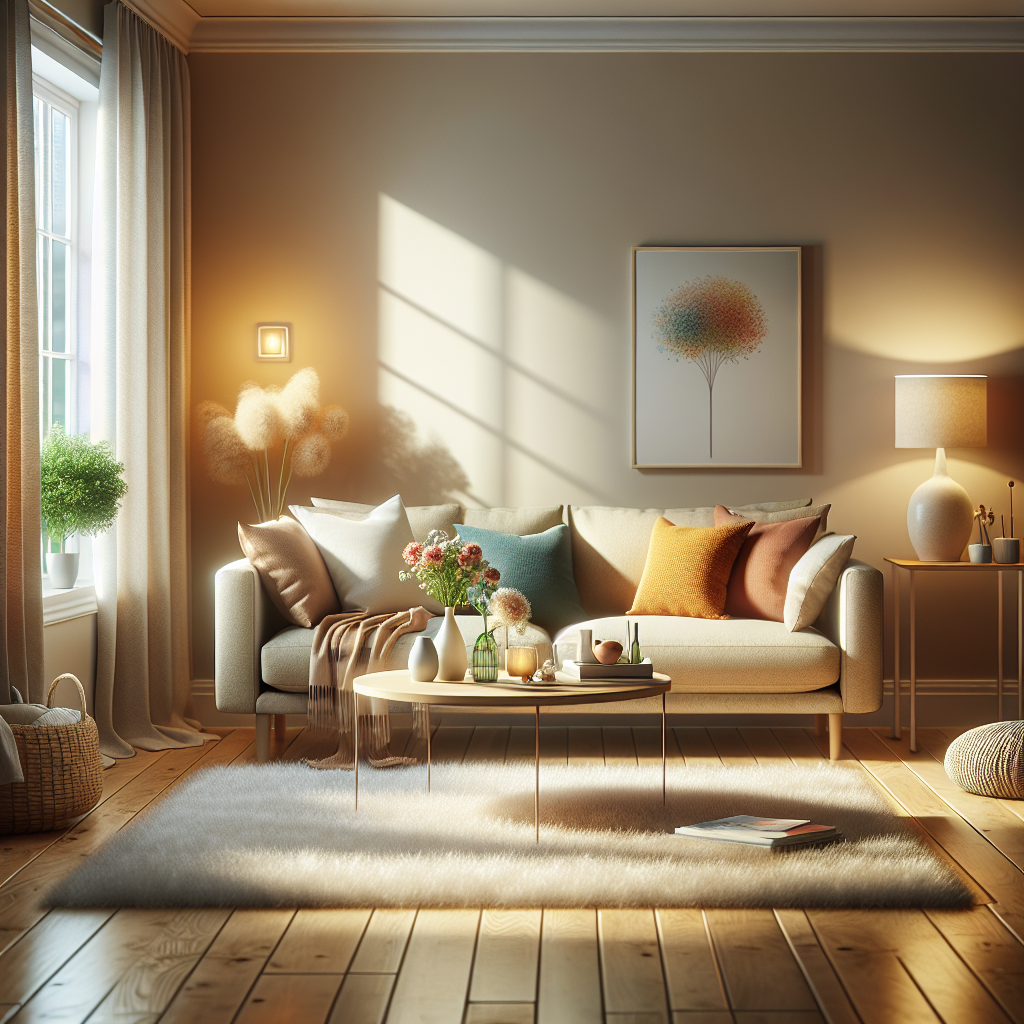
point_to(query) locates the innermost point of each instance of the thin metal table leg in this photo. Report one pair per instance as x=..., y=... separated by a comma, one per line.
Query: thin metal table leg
x=536, y=768
x=355, y=743
x=428, y=748
x=897, y=726
x=913, y=662
x=663, y=787
x=1020, y=643
x=999, y=642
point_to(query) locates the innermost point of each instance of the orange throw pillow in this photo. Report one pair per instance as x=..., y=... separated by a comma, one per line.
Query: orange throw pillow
x=687, y=570
x=291, y=569
x=760, y=574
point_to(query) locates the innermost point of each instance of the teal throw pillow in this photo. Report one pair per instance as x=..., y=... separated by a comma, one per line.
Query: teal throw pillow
x=540, y=566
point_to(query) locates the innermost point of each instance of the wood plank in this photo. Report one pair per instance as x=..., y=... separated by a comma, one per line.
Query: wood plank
x=499, y=1013
x=763, y=744
x=384, y=941
x=586, y=745
x=994, y=955
x=778, y=1017
x=488, y=744
x=1015, y=807
x=618, y=745
x=703, y=1017
x=218, y=985
x=505, y=967
x=696, y=746
x=1000, y=827
x=935, y=741
x=290, y=999
x=986, y=865
x=449, y=743
x=818, y=972
x=145, y=990
x=758, y=967
x=647, y=739
x=319, y=942
x=554, y=743
x=363, y=999
x=731, y=747
x=631, y=963
x=569, y=990
x=521, y=742
x=690, y=969
x=434, y=978
x=798, y=745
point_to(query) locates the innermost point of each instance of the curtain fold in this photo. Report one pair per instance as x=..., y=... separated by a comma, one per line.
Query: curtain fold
x=21, y=587
x=141, y=304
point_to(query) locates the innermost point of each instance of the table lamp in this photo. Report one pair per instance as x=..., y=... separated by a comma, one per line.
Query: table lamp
x=940, y=412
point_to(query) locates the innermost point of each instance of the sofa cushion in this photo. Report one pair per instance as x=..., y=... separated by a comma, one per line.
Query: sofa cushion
x=539, y=566
x=721, y=655
x=422, y=518
x=520, y=521
x=285, y=657
x=687, y=569
x=814, y=578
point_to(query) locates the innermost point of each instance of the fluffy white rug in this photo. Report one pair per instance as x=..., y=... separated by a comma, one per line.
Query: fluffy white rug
x=284, y=835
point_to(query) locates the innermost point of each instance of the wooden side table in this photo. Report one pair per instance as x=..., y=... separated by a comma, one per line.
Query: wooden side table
x=913, y=567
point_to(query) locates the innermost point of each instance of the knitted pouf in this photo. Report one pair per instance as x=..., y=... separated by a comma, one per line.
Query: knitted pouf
x=989, y=760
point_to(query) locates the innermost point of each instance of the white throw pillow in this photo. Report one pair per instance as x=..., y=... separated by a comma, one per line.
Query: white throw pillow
x=364, y=557
x=813, y=579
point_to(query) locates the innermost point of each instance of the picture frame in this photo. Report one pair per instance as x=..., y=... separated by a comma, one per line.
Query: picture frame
x=699, y=312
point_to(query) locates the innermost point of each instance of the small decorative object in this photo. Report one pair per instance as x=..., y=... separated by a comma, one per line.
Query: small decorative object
x=982, y=551
x=272, y=343
x=1006, y=550
x=940, y=412
x=81, y=492
x=547, y=671
x=585, y=655
x=608, y=652
x=453, y=574
x=522, y=662
x=423, y=663
x=635, y=654
x=989, y=760
x=485, y=650
x=511, y=608
x=695, y=310
x=239, y=448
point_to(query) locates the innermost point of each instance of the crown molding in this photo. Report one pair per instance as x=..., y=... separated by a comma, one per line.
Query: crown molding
x=448, y=35
x=174, y=18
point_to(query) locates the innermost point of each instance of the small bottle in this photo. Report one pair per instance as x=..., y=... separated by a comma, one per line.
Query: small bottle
x=635, y=656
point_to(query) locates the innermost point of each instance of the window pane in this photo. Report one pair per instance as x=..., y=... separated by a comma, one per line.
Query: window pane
x=44, y=288
x=59, y=392
x=58, y=300
x=44, y=394
x=61, y=138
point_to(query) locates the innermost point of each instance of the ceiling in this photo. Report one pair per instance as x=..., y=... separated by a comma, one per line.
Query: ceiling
x=607, y=8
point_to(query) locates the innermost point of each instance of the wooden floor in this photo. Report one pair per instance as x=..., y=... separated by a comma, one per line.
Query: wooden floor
x=549, y=966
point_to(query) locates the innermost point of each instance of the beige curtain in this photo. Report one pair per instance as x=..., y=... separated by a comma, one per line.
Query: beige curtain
x=140, y=386
x=21, y=587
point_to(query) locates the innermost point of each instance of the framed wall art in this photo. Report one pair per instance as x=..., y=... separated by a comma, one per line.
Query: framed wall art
x=716, y=357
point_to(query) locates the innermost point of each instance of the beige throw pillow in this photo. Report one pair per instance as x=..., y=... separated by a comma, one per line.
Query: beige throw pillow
x=422, y=518
x=291, y=569
x=813, y=579
x=364, y=557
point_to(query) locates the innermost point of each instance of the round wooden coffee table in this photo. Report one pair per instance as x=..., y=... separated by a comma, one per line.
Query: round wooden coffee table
x=506, y=693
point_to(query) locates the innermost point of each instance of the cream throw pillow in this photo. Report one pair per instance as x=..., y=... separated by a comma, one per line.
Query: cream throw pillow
x=364, y=557
x=422, y=518
x=813, y=579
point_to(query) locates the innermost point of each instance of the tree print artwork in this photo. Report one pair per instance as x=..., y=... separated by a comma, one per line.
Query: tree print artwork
x=710, y=321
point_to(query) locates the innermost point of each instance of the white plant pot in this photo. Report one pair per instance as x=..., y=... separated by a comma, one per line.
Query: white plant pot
x=63, y=569
x=451, y=650
x=423, y=660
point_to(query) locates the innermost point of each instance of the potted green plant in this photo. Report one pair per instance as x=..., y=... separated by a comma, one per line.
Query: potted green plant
x=82, y=490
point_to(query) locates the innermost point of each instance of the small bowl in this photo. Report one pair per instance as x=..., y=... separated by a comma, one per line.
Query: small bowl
x=608, y=652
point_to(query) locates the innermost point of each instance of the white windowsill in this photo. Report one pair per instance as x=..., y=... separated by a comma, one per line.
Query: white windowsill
x=61, y=605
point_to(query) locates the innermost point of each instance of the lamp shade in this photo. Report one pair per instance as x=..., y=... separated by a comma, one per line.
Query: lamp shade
x=934, y=411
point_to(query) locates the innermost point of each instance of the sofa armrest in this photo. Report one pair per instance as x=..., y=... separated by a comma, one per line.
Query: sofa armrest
x=244, y=620
x=852, y=620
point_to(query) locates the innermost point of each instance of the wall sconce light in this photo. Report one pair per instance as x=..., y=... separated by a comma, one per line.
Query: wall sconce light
x=272, y=343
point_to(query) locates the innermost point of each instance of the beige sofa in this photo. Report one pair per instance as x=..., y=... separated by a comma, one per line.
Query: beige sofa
x=734, y=666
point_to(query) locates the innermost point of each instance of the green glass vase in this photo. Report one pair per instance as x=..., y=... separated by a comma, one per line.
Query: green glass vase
x=485, y=659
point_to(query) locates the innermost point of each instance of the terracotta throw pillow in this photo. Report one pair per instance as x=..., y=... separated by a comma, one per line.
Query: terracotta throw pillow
x=760, y=574
x=687, y=570
x=293, y=573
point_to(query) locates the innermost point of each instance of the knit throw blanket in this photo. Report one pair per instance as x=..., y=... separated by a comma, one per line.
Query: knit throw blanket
x=338, y=643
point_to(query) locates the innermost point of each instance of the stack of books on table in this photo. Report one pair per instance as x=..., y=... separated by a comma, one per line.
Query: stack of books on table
x=620, y=672
x=770, y=832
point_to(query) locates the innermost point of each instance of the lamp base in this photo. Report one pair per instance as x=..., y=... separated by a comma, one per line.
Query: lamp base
x=940, y=516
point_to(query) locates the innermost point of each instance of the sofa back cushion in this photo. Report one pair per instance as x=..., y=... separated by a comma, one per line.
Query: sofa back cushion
x=518, y=521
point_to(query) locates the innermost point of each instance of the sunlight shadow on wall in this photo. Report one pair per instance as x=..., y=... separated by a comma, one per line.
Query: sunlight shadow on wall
x=505, y=372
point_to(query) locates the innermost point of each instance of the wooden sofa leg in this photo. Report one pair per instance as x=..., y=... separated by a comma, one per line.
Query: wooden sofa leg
x=835, y=736
x=820, y=722
x=263, y=738
x=280, y=727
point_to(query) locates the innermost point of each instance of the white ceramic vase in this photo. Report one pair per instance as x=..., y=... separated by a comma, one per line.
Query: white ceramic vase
x=940, y=516
x=62, y=569
x=451, y=650
x=423, y=660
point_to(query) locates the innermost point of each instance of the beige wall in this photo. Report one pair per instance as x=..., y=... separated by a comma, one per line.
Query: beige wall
x=498, y=197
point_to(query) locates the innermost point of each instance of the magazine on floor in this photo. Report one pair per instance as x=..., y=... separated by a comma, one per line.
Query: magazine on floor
x=753, y=831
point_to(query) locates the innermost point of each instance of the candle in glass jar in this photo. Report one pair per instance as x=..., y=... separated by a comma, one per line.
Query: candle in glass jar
x=521, y=661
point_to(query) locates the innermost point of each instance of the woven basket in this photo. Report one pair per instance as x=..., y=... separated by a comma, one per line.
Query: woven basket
x=63, y=773
x=989, y=760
